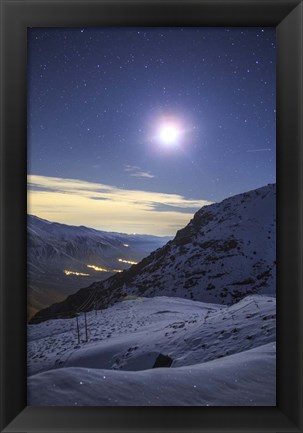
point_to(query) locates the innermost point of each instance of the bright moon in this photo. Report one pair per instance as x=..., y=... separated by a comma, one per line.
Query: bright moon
x=169, y=134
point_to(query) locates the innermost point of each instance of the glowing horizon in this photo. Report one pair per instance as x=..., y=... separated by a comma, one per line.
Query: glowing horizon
x=109, y=208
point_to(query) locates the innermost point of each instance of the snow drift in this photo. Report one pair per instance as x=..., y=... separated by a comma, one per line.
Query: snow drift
x=222, y=355
x=244, y=379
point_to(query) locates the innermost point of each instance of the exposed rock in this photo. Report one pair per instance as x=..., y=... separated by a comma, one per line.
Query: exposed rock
x=163, y=361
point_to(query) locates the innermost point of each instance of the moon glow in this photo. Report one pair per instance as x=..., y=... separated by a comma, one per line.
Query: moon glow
x=169, y=133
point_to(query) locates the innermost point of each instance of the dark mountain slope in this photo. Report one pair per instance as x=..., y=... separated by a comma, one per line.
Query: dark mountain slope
x=63, y=258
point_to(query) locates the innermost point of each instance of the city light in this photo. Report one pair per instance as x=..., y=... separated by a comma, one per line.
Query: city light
x=81, y=274
x=127, y=261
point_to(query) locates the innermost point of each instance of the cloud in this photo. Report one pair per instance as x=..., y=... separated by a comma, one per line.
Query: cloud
x=165, y=207
x=106, y=207
x=131, y=167
x=142, y=174
x=136, y=171
x=259, y=150
x=100, y=198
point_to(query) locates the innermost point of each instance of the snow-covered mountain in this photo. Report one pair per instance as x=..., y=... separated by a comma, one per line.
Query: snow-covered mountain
x=63, y=258
x=127, y=330
x=218, y=354
x=226, y=252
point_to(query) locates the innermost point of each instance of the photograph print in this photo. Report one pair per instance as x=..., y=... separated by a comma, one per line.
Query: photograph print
x=151, y=219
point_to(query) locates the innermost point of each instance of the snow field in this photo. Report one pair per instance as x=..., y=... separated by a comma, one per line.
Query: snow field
x=243, y=379
x=222, y=355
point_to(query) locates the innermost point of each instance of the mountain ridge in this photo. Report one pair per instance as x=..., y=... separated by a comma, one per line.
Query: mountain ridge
x=226, y=252
x=63, y=258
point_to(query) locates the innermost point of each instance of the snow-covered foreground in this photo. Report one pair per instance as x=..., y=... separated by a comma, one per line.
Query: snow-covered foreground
x=220, y=355
x=244, y=379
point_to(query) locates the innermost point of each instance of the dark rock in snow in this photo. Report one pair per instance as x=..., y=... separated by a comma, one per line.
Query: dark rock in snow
x=163, y=361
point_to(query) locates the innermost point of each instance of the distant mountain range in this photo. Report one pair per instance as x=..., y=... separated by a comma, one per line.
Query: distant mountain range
x=62, y=258
x=226, y=252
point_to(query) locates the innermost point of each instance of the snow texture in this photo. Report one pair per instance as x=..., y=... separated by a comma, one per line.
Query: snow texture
x=244, y=379
x=222, y=355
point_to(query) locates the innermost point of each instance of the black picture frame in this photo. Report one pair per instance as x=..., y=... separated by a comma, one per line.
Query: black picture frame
x=16, y=16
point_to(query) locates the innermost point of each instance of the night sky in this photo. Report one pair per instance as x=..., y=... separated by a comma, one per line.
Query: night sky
x=132, y=130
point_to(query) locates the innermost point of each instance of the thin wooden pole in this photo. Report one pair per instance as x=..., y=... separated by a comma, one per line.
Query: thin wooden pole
x=78, y=331
x=86, y=335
